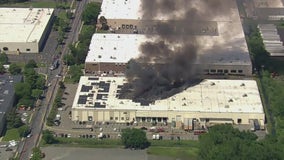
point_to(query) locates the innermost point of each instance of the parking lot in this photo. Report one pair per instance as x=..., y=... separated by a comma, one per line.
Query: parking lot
x=6, y=152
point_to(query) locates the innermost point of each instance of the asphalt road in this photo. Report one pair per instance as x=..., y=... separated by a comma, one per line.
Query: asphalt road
x=40, y=115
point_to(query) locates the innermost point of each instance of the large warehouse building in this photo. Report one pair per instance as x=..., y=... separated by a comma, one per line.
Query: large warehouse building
x=211, y=101
x=109, y=53
x=222, y=47
x=24, y=30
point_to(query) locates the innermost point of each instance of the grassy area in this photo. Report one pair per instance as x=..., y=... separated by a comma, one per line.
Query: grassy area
x=39, y=4
x=11, y=134
x=168, y=148
x=188, y=153
x=85, y=143
x=171, y=143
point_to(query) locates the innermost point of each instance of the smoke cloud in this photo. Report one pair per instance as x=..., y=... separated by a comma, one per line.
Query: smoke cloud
x=166, y=64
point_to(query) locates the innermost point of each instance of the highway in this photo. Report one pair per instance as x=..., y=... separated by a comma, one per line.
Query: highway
x=40, y=115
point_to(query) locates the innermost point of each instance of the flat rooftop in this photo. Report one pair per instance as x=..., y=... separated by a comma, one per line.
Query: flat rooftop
x=23, y=24
x=226, y=46
x=7, y=92
x=121, y=9
x=120, y=48
x=268, y=3
x=271, y=39
x=211, y=95
x=114, y=48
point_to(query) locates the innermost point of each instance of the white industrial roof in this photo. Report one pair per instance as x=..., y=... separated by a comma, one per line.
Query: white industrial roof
x=227, y=47
x=120, y=48
x=211, y=95
x=23, y=24
x=114, y=48
x=121, y=9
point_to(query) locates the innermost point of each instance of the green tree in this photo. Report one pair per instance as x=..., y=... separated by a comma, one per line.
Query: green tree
x=36, y=93
x=134, y=138
x=60, y=38
x=26, y=101
x=13, y=120
x=24, y=130
x=224, y=142
x=2, y=69
x=75, y=73
x=14, y=69
x=48, y=137
x=91, y=12
x=22, y=89
x=30, y=77
x=87, y=33
x=37, y=154
x=40, y=82
x=31, y=64
x=69, y=14
x=3, y=58
x=68, y=59
x=256, y=47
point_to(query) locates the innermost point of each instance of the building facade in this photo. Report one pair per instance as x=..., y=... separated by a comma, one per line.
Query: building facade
x=212, y=101
x=24, y=30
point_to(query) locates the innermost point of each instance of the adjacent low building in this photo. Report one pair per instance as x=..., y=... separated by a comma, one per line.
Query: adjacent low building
x=272, y=10
x=24, y=30
x=110, y=53
x=271, y=40
x=6, y=96
x=212, y=101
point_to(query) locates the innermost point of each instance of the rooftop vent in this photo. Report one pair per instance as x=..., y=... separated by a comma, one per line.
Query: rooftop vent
x=121, y=102
x=227, y=106
x=104, y=36
x=212, y=83
x=242, y=84
x=114, y=48
x=184, y=104
x=245, y=95
x=99, y=56
x=118, y=36
x=230, y=100
x=102, y=48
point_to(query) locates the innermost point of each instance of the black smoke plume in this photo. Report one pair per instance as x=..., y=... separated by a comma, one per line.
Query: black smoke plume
x=166, y=64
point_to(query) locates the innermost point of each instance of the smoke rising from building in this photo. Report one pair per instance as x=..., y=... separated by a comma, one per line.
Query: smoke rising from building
x=166, y=64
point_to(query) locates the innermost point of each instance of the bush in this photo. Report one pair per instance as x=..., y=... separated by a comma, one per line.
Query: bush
x=134, y=138
x=48, y=137
x=24, y=130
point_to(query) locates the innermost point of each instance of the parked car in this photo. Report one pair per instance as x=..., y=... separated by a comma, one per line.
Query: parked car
x=144, y=128
x=29, y=135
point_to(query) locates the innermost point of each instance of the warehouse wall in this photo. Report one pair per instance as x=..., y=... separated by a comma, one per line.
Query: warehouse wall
x=129, y=115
